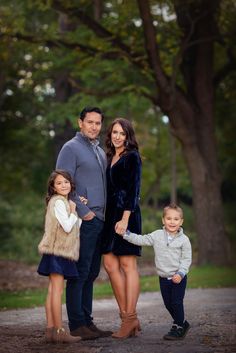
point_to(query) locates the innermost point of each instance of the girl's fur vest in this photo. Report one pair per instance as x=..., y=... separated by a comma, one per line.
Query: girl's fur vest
x=55, y=240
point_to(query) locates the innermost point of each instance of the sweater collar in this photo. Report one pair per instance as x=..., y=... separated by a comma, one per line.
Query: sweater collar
x=180, y=232
x=85, y=139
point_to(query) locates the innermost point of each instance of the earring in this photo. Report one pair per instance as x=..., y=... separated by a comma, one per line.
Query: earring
x=126, y=143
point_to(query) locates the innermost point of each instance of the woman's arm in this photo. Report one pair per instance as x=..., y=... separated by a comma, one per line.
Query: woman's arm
x=132, y=176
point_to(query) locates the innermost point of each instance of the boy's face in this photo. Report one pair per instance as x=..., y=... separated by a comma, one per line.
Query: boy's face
x=172, y=221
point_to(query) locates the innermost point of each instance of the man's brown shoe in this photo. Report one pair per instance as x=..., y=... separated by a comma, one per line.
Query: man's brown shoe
x=85, y=333
x=101, y=333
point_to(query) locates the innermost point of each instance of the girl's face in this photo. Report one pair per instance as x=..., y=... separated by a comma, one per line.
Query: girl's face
x=172, y=221
x=62, y=186
x=118, y=136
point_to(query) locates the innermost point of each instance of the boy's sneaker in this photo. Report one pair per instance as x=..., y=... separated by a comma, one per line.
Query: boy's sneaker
x=177, y=332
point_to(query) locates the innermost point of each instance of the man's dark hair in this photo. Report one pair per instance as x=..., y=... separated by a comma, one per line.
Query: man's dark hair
x=90, y=110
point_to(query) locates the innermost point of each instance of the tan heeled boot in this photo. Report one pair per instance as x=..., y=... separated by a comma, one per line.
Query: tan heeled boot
x=123, y=315
x=129, y=326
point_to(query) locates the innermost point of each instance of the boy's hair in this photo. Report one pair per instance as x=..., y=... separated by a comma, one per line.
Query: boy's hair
x=173, y=206
x=51, y=180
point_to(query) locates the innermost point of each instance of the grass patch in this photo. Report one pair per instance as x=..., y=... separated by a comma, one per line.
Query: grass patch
x=199, y=277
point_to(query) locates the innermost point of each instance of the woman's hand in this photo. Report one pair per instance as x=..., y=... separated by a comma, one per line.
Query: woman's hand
x=121, y=227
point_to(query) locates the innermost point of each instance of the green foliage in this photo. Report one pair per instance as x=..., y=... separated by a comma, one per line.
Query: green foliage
x=60, y=67
x=21, y=224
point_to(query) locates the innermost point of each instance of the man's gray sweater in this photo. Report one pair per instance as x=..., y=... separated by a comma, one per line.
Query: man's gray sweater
x=78, y=157
x=171, y=257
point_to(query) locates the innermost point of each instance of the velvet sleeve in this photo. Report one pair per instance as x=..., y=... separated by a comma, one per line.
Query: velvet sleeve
x=132, y=175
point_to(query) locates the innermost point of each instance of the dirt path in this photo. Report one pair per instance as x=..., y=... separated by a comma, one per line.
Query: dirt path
x=211, y=312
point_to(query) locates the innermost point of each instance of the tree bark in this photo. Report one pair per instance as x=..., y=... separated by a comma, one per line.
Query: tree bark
x=192, y=118
x=173, y=171
x=213, y=244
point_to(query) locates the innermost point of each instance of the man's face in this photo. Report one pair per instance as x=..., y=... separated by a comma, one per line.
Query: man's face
x=91, y=125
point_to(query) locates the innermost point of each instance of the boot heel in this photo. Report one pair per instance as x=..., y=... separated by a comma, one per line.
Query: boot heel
x=135, y=332
x=129, y=326
x=139, y=327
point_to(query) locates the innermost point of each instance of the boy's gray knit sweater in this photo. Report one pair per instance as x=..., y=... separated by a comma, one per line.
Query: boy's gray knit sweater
x=171, y=257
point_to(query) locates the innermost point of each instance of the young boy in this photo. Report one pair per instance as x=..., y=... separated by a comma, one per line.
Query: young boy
x=173, y=257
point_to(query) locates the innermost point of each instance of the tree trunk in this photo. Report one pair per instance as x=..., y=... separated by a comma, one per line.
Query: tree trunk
x=199, y=149
x=173, y=194
x=191, y=113
x=213, y=246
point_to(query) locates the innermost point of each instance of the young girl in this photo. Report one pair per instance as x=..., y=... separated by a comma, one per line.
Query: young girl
x=60, y=249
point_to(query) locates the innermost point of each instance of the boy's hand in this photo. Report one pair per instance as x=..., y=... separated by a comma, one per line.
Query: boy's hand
x=176, y=278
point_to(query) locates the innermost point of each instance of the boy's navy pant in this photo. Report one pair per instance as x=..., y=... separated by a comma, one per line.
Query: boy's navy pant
x=173, y=296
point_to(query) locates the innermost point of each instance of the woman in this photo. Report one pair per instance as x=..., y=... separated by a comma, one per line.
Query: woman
x=122, y=212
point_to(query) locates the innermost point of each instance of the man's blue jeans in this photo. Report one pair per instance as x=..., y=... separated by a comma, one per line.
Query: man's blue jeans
x=173, y=296
x=79, y=291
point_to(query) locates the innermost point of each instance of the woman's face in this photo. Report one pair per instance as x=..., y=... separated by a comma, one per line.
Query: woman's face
x=118, y=136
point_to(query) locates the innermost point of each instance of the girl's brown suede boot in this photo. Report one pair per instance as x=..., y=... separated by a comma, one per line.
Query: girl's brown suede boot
x=49, y=334
x=60, y=335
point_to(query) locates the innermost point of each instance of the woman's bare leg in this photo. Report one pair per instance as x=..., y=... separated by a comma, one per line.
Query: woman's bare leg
x=132, y=285
x=116, y=276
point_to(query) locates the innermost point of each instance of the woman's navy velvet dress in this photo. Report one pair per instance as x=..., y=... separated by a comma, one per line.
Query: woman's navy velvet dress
x=123, y=188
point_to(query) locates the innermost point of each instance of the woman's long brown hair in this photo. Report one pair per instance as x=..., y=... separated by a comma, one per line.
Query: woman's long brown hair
x=130, y=142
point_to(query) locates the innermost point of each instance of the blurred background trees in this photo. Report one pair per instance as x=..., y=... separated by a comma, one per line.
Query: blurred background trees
x=169, y=66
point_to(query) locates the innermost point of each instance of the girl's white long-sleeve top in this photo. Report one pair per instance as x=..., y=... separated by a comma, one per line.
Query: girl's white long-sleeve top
x=67, y=222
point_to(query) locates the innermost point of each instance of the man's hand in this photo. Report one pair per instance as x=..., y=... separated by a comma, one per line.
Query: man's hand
x=89, y=216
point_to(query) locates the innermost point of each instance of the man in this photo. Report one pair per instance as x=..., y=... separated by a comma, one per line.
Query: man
x=86, y=162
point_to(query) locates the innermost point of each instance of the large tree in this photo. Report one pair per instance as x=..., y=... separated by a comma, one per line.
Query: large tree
x=186, y=96
x=165, y=51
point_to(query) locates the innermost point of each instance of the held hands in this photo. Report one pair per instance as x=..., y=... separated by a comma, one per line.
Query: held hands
x=176, y=278
x=121, y=227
